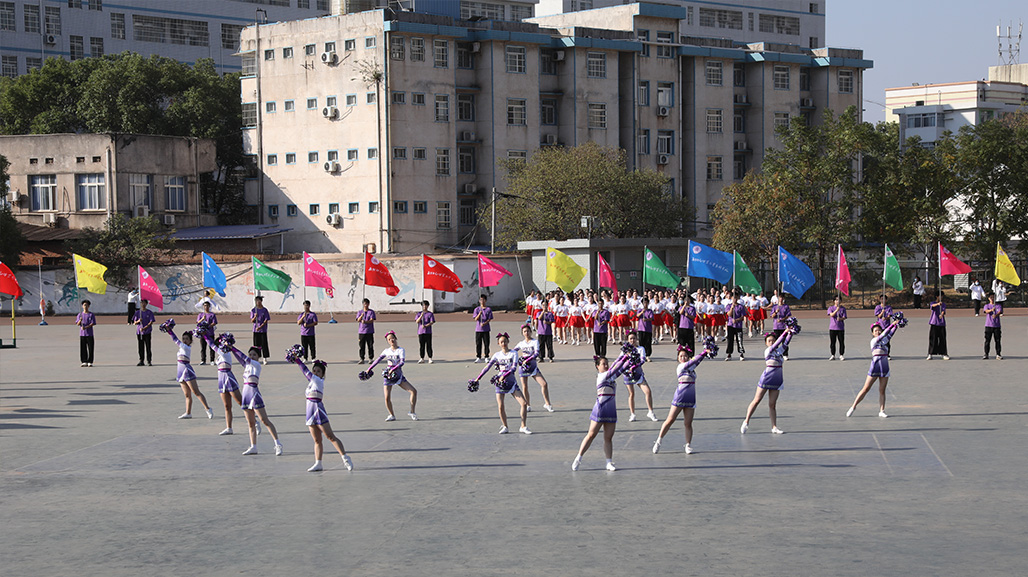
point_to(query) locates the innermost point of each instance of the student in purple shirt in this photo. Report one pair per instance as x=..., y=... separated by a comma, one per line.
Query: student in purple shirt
x=600, y=323
x=212, y=319
x=482, y=315
x=837, y=329
x=644, y=327
x=260, y=318
x=87, y=320
x=544, y=320
x=144, y=319
x=992, y=312
x=365, y=331
x=425, y=320
x=307, y=321
x=937, y=329
x=736, y=314
x=687, y=324
x=779, y=313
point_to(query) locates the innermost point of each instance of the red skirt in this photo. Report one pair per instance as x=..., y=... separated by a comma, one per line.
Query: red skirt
x=577, y=322
x=561, y=322
x=757, y=314
x=620, y=321
x=719, y=320
x=666, y=319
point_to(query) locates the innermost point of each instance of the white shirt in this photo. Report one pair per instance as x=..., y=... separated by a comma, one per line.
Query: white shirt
x=977, y=292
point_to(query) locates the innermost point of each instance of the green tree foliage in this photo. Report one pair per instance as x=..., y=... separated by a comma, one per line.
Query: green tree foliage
x=11, y=239
x=122, y=243
x=548, y=195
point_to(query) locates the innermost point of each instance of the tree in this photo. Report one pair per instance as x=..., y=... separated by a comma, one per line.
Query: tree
x=122, y=243
x=11, y=239
x=547, y=196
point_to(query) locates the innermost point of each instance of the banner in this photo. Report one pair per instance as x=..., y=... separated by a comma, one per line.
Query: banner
x=376, y=274
x=744, y=277
x=266, y=278
x=706, y=262
x=149, y=291
x=213, y=277
x=891, y=275
x=950, y=264
x=607, y=276
x=795, y=276
x=490, y=273
x=562, y=270
x=842, y=274
x=1005, y=270
x=89, y=275
x=436, y=276
x=656, y=273
x=9, y=283
x=315, y=275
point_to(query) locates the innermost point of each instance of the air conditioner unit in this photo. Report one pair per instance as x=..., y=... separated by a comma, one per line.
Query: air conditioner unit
x=50, y=218
x=551, y=139
x=807, y=102
x=51, y=39
x=15, y=196
x=142, y=211
x=741, y=145
x=329, y=58
x=467, y=135
x=470, y=188
x=169, y=220
x=663, y=110
x=333, y=166
x=330, y=112
x=663, y=159
x=740, y=99
x=476, y=47
x=334, y=219
x=559, y=56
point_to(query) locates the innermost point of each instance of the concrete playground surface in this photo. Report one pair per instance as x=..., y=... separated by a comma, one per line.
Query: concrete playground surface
x=98, y=477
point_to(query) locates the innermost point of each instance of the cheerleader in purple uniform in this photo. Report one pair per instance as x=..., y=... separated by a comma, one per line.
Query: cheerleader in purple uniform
x=879, y=366
x=395, y=357
x=605, y=411
x=770, y=382
x=317, y=417
x=186, y=376
x=228, y=386
x=635, y=377
x=253, y=402
x=505, y=362
x=684, y=400
x=528, y=366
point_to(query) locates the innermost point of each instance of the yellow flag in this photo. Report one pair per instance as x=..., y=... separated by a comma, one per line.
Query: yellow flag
x=90, y=275
x=1004, y=268
x=563, y=271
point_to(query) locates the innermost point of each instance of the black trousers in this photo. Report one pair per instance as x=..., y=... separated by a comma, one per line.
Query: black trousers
x=481, y=342
x=917, y=301
x=546, y=346
x=687, y=338
x=309, y=346
x=143, y=343
x=600, y=344
x=735, y=334
x=646, y=342
x=131, y=312
x=937, y=340
x=778, y=333
x=425, y=344
x=835, y=335
x=990, y=332
x=86, y=348
x=977, y=306
x=261, y=340
x=204, y=347
x=366, y=342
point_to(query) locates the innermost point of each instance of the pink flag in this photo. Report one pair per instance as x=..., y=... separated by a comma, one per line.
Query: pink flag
x=315, y=275
x=950, y=264
x=607, y=276
x=842, y=274
x=490, y=273
x=149, y=290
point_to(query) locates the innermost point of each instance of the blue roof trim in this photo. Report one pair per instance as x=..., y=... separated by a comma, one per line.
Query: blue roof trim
x=712, y=52
x=844, y=62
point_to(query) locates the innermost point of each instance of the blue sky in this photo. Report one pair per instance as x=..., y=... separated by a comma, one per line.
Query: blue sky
x=923, y=41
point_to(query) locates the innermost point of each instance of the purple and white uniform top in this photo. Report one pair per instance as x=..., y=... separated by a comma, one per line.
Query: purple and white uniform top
x=605, y=410
x=394, y=359
x=185, y=371
x=505, y=363
x=528, y=351
x=774, y=356
x=252, y=398
x=635, y=375
x=227, y=382
x=316, y=414
x=880, y=352
x=685, y=394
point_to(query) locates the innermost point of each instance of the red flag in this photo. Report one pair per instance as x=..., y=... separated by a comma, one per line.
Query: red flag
x=950, y=264
x=315, y=275
x=376, y=274
x=149, y=290
x=490, y=273
x=607, y=276
x=9, y=283
x=842, y=274
x=438, y=277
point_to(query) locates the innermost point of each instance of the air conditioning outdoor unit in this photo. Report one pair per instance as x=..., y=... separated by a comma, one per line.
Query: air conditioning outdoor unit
x=15, y=196
x=50, y=218
x=332, y=166
x=329, y=58
x=142, y=211
x=476, y=47
x=559, y=56
x=51, y=39
x=740, y=98
x=334, y=219
x=807, y=102
x=663, y=110
x=470, y=188
x=467, y=135
x=551, y=139
x=740, y=145
x=330, y=112
x=169, y=220
x=663, y=159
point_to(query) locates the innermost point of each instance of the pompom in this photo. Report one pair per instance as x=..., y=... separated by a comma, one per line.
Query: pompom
x=167, y=325
x=629, y=349
x=472, y=386
x=225, y=341
x=710, y=344
x=900, y=319
x=495, y=380
x=389, y=374
x=204, y=328
x=792, y=323
x=365, y=375
x=294, y=353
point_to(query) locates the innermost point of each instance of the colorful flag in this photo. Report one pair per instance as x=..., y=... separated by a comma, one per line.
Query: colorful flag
x=315, y=275
x=656, y=273
x=149, y=291
x=891, y=275
x=376, y=274
x=795, y=276
x=607, y=275
x=744, y=278
x=562, y=270
x=842, y=274
x=1005, y=270
x=490, y=273
x=706, y=262
x=89, y=275
x=266, y=278
x=9, y=283
x=950, y=264
x=437, y=276
x=213, y=277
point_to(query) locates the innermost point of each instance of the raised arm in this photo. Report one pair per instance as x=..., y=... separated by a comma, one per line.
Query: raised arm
x=171, y=333
x=303, y=368
x=242, y=357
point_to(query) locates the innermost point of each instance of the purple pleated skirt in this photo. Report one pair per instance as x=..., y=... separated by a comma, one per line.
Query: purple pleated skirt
x=530, y=369
x=508, y=386
x=605, y=411
x=771, y=379
x=685, y=396
x=634, y=378
x=227, y=382
x=316, y=414
x=185, y=372
x=879, y=366
x=395, y=381
x=252, y=398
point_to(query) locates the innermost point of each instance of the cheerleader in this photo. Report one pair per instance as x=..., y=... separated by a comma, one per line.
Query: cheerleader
x=687, y=324
x=879, y=366
x=528, y=366
x=317, y=417
x=635, y=376
x=228, y=387
x=186, y=376
x=684, y=401
x=771, y=381
x=605, y=411
x=882, y=312
x=718, y=319
x=394, y=356
x=505, y=361
x=253, y=402
x=779, y=313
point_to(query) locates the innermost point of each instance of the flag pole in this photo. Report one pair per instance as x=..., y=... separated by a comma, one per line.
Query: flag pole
x=42, y=301
x=885, y=264
x=520, y=277
x=645, y=248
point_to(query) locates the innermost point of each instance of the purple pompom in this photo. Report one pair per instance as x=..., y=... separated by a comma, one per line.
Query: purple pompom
x=167, y=325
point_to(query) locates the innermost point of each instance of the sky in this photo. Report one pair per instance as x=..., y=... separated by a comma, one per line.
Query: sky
x=922, y=41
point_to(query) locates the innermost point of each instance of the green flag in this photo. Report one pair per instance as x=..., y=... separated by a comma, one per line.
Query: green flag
x=655, y=273
x=892, y=276
x=744, y=278
x=266, y=278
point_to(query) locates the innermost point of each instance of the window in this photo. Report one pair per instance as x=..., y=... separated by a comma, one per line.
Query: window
x=466, y=107
x=520, y=12
x=739, y=122
x=644, y=37
x=314, y=209
x=484, y=10
x=714, y=73
x=781, y=120
x=644, y=93
x=43, y=192
x=76, y=48
x=333, y=155
x=270, y=107
x=519, y=156
x=290, y=158
x=420, y=153
x=813, y=8
x=351, y=100
x=229, y=35
x=353, y=208
x=272, y=159
x=788, y=25
x=175, y=192
x=466, y=212
x=466, y=159
x=8, y=17
x=9, y=66
x=330, y=47
x=923, y=120
x=170, y=30
x=714, y=168
x=312, y=156
x=441, y=53
x=96, y=47
x=739, y=167
x=417, y=49
x=715, y=121
x=665, y=94
x=643, y=145
x=515, y=59
x=548, y=62
x=596, y=65
x=287, y=52
x=348, y=45
x=74, y=3
x=331, y=100
x=249, y=64
x=714, y=18
x=417, y=98
x=370, y=42
x=249, y=114
x=442, y=161
x=312, y=104
x=846, y=81
x=399, y=97
x=597, y=115
x=420, y=207
x=273, y=210
x=805, y=78
x=372, y=153
x=32, y=20
x=465, y=55
x=548, y=111
x=399, y=153
x=372, y=208
x=400, y=206
x=352, y=155
x=396, y=47
x=665, y=51
x=52, y=20
x=141, y=190
x=739, y=75
x=309, y=49
x=442, y=215
x=814, y=42
x=517, y=111
x=442, y=108
x=291, y=210
x=371, y=98
x=781, y=76
x=289, y=105
x=665, y=142
x=33, y=63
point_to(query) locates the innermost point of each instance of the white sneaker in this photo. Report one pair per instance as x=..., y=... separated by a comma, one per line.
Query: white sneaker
x=503, y=430
x=317, y=467
x=227, y=431
x=831, y=358
x=945, y=357
x=257, y=426
x=84, y=364
x=882, y=414
x=849, y=411
x=390, y=418
x=421, y=361
x=549, y=408
x=575, y=464
x=528, y=409
x=251, y=451
x=278, y=450
x=430, y=361
x=742, y=358
x=656, y=446
x=785, y=358
x=185, y=416
x=413, y=416
x=745, y=427
x=347, y=462
x=264, y=361
x=611, y=467
x=688, y=449
x=631, y=417
x=928, y=358
x=842, y=358
x=210, y=413
x=525, y=430
x=728, y=358
x=651, y=416
x=478, y=360
x=777, y=431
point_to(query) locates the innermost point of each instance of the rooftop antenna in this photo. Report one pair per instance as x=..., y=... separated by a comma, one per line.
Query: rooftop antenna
x=1011, y=54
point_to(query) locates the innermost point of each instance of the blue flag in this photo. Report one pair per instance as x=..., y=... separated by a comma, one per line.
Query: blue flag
x=213, y=277
x=795, y=276
x=706, y=262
